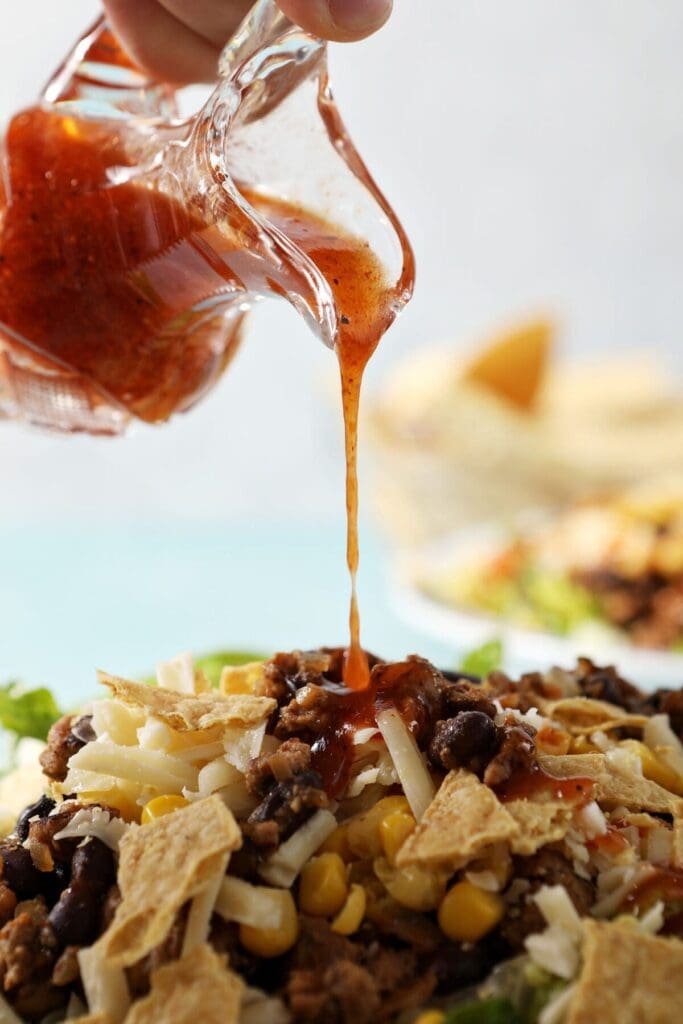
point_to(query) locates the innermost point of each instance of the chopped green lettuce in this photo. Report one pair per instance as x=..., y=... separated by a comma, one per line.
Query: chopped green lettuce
x=487, y=1011
x=557, y=603
x=27, y=713
x=484, y=659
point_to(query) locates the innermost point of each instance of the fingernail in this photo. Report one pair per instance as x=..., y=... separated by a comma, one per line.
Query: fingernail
x=359, y=17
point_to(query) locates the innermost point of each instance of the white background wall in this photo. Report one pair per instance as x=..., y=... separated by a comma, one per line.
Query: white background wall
x=535, y=152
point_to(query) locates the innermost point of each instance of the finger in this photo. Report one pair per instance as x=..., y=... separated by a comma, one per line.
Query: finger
x=343, y=21
x=215, y=20
x=159, y=43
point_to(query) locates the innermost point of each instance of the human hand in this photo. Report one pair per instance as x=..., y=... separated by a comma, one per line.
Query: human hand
x=180, y=40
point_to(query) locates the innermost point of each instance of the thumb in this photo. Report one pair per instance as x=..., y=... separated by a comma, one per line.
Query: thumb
x=343, y=21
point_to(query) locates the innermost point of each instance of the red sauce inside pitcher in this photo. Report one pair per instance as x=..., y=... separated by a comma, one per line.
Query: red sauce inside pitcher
x=97, y=275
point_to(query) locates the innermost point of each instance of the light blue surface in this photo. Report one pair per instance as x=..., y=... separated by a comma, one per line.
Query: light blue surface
x=124, y=596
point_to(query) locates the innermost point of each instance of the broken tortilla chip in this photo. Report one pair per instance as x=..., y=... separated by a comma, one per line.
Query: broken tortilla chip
x=162, y=865
x=628, y=977
x=200, y=987
x=583, y=715
x=539, y=823
x=513, y=365
x=187, y=713
x=614, y=787
x=464, y=818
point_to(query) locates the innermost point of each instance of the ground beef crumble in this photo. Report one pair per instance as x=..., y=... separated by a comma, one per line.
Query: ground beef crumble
x=547, y=867
x=66, y=738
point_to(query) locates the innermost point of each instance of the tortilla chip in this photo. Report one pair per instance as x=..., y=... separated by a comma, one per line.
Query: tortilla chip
x=198, y=988
x=628, y=977
x=464, y=818
x=241, y=678
x=613, y=786
x=677, y=854
x=583, y=715
x=161, y=866
x=539, y=823
x=189, y=713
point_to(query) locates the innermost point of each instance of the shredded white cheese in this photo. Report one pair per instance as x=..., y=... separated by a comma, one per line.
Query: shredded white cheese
x=97, y=822
x=106, y=988
x=145, y=767
x=411, y=769
x=660, y=737
x=257, y=905
x=591, y=821
x=177, y=674
x=199, y=919
x=287, y=861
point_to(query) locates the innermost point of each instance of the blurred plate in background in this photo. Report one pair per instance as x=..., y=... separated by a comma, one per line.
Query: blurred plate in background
x=524, y=649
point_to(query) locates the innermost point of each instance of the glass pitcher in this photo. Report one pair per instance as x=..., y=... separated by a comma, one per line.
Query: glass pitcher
x=133, y=242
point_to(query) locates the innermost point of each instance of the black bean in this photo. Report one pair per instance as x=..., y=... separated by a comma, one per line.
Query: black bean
x=93, y=866
x=74, y=918
x=458, y=966
x=19, y=871
x=467, y=741
x=82, y=729
x=53, y=883
x=455, y=677
x=40, y=809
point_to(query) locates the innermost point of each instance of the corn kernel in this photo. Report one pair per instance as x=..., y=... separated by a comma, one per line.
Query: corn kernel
x=414, y=887
x=350, y=917
x=431, y=1017
x=363, y=831
x=654, y=768
x=338, y=842
x=270, y=942
x=323, y=886
x=467, y=913
x=160, y=806
x=394, y=830
x=553, y=741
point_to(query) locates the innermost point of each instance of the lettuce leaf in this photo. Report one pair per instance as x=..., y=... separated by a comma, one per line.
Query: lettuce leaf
x=487, y=1011
x=484, y=659
x=27, y=713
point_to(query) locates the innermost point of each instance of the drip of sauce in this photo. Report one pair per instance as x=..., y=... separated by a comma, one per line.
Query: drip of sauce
x=364, y=302
x=110, y=283
x=399, y=686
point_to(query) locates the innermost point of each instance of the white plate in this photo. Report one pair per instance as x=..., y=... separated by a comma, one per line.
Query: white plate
x=524, y=649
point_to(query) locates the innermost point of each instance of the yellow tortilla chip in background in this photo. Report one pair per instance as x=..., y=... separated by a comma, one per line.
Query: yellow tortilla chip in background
x=513, y=365
x=464, y=818
x=540, y=823
x=161, y=866
x=628, y=977
x=199, y=989
x=583, y=715
x=187, y=713
x=614, y=787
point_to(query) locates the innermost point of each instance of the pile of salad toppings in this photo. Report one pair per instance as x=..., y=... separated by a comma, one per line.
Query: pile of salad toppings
x=616, y=562
x=435, y=849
